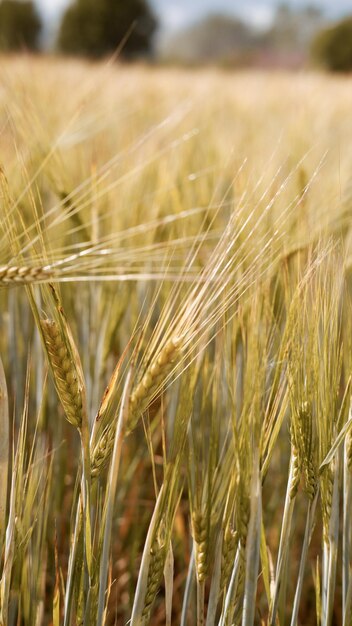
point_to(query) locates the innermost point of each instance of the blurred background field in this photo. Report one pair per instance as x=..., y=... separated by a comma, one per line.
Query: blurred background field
x=259, y=33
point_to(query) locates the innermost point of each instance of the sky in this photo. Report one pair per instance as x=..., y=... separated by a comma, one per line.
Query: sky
x=177, y=14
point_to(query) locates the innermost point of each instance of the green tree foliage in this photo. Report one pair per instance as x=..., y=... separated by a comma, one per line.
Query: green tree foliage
x=96, y=28
x=228, y=41
x=217, y=38
x=294, y=28
x=332, y=47
x=20, y=25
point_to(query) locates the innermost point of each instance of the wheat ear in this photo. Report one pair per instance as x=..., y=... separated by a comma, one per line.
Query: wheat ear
x=66, y=375
x=229, y=547
x=140, y=398
x=158, y=371
x=200, y=533
x=12, y=274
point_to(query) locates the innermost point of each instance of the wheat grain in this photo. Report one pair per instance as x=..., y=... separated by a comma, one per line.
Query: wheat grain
x=200, y=533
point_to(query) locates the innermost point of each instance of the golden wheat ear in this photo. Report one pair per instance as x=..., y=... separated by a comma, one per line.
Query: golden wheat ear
x=67, y=379
x=64, y=360
x=15, y=275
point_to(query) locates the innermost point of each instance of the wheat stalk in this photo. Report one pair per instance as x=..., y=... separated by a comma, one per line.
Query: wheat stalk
x=4, y=451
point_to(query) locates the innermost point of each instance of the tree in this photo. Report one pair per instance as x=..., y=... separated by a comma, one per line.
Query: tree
x=20, y=25
x=97, y=28
x=332, y=47
x=215, y=39
x=293, y=29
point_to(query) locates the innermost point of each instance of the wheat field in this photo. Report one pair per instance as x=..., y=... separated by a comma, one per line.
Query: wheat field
x=176, y=348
